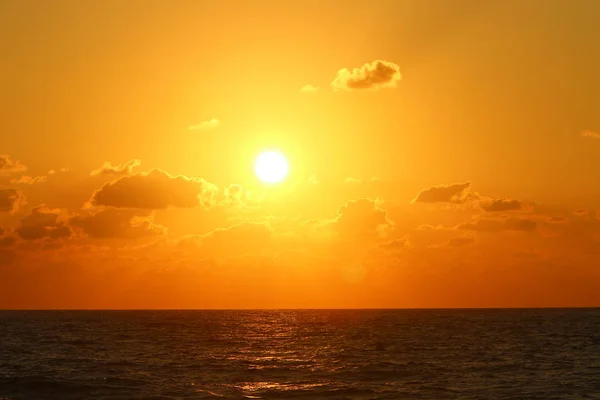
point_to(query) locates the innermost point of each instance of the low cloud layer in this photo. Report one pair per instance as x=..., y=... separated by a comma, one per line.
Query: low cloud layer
x=375, y=75
x=11, y=200
x=116, y=170
x=154, y=190
x=455, y=193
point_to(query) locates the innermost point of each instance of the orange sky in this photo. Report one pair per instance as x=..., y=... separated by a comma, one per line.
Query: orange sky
x=442, y=153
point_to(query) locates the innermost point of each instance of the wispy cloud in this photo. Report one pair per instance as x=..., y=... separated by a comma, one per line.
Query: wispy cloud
x=29, y=180
x=309, y=89
x=8, y=165
x=206, y=125
x=591, y=134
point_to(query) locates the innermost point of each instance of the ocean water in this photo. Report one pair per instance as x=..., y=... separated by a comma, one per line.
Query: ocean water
x=320, y=354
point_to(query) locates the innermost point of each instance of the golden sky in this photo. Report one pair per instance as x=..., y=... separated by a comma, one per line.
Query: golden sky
x=441, y=153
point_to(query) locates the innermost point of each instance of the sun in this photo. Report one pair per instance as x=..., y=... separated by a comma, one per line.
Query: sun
x=271, y=166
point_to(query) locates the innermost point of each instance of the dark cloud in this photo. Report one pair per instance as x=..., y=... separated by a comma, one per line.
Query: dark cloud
x=7, y=241
x=118, y=223
x=11, y=200
x=362, y=217
x=455, y=193
x=375, y=75
x=501, y=205
x=119, y=170
x=154, y=190
x=8, y=165
x=497, y=225
x=43, y=223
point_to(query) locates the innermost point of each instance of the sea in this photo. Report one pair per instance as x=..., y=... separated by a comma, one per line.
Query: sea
x=301, y=354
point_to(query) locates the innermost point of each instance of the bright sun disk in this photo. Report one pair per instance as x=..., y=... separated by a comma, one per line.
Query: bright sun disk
x=271, y=166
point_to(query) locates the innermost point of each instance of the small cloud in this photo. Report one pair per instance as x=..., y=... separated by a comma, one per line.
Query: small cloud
x=557, y=220
x=497, y=225
x=118, y=170
x=154, y=190
x=43, y=223
x=375, y=75
x=206, y=125
x=352, y=181
x=11, y=200
x=581, y=212
x=29, y=180
x=501, y=205
x=456, y=193
x=309, y=89
x=590, y=134
x=8, y=165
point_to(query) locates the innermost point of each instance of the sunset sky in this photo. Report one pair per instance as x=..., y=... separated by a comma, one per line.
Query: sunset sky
x=442, y=153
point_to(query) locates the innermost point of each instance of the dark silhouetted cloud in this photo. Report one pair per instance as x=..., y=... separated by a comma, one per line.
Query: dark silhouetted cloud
x=118, y=223
x=375, y=75
x=455, y=193
x=154, y=190
x=11, y=200
x=119, y=170
x=42, y=223
x=501, y=205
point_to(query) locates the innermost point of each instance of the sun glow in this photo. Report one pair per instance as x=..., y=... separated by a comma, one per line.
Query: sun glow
x=271, y=166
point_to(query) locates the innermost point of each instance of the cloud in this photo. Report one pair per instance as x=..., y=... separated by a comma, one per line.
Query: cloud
x=309, y=89
x=375, y=75
x=8, y=165
x=154, y=190
x=206, y=125
x=557, y=220
x=501, y=205
x=498, y=225
x=29, y=180
x=42, y=223
x=118, y=223
x=581, y=212
x=119, y=170
x=461, y=241
x=590, y=134
x=362, y=217
x=455, y=193
x=11, y=200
